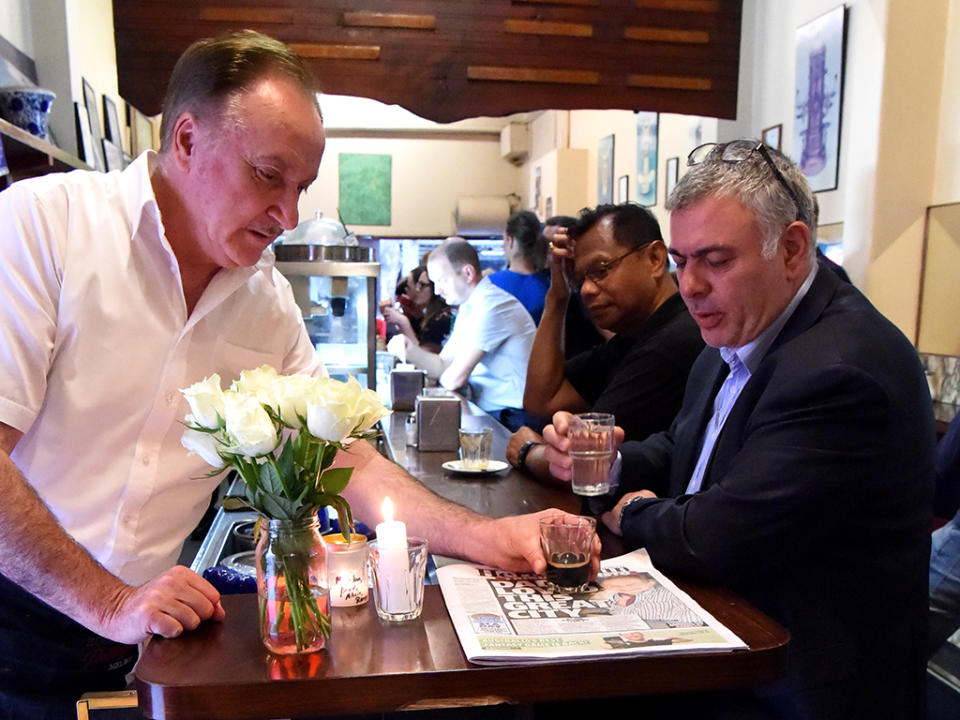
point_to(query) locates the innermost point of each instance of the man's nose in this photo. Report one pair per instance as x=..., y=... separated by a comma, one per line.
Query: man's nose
x=691, y=283
x=285, y=211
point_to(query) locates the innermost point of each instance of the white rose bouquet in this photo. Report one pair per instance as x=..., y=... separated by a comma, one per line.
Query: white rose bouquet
x=281, y=433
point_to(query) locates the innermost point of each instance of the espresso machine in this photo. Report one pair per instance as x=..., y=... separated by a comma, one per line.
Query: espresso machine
x=334, y=282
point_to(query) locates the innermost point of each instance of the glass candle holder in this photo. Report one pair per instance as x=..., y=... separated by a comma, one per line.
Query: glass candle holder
x=347, y=569
x=398, y=577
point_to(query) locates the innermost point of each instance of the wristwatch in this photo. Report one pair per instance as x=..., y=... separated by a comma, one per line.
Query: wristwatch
x=523, y=452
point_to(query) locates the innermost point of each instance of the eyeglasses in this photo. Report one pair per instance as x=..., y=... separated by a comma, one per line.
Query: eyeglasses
x=421, y=284
x=738, y=151
x=597, y=274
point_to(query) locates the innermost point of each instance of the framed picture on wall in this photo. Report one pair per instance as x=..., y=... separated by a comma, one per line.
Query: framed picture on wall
x=672, y=170
x=141, y=131
x=605, y=170
x=111, y=122
x=93, y=120
x=112, y=155
x=365, y=188
x=623, y=189
x=647, y=158
x=771, y=136
x=85, y=146
x=819, y=98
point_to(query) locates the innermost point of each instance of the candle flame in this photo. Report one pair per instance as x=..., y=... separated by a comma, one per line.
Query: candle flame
x=387, y=509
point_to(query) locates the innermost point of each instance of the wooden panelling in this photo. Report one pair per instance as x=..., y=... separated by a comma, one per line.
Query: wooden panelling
x=389, y=20
x=342, y=52
x=538, y=27
x=247, y=14
x=538, y=75
x=450, y=59
x=710, y=6
x=671, y=82
x=654, y=34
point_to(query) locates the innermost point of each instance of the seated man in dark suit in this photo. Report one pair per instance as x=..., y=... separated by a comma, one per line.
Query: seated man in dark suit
x=799, y=470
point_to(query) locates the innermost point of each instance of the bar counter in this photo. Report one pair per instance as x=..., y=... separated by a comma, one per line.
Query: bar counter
x=222, y=671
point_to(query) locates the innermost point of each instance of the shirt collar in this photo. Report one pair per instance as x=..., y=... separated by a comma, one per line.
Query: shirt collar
x=752, y=353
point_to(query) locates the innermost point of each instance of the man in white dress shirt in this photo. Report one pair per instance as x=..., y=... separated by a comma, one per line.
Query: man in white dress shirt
x=116, y=290
x=490, y=343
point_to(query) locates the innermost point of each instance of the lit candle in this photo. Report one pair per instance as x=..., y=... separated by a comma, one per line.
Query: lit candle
x=347, y=569
x=396, y=594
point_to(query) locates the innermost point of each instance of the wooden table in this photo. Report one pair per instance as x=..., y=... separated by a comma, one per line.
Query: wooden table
x=222, y=671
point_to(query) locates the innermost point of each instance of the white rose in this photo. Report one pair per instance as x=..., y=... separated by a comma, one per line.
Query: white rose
x=290, y=397
x=206, y=401
x=248, y=426
x=336, y=409
x=203, y=444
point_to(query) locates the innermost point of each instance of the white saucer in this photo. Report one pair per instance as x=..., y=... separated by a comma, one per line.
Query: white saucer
x=456, y=466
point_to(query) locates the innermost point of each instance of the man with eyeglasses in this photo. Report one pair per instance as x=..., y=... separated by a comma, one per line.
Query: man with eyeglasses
x=620, y=268
x=799, y=469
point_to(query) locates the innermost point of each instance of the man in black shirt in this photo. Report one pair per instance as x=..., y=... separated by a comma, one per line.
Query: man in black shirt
x=616, y=257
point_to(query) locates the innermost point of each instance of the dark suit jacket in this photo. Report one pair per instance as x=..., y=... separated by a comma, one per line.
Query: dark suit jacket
x=815, y=505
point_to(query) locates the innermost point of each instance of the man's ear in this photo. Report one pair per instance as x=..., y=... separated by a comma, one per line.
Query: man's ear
x=657, y=252
x=795, y=246
x=470, y=274
x=185, y=137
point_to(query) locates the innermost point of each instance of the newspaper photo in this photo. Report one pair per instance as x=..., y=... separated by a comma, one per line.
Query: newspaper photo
x=632, y=609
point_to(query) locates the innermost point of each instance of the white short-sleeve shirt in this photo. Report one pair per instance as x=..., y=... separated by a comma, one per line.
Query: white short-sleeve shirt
x=494, y=321
x=97, y=346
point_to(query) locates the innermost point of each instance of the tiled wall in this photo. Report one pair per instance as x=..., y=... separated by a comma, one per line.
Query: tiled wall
x=943, y=374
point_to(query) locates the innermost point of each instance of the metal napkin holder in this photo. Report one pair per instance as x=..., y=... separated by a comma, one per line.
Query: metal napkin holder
x=438, y=420
x=405, y=386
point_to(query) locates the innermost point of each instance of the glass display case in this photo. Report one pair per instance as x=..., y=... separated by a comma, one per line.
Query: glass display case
x=336, y=288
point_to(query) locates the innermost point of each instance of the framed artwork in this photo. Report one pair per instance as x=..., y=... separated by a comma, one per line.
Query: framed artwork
x=536, y=189
x=141, y=131
x=819, y=98
x=365, y=184
x=111, y=122
x=93, y=120
x=85, y=146
x=605, y=170
x=112, y=155
x=548, y=209
x=623, y=189
x=647, y=158
x=673, y=171
x=772, y=136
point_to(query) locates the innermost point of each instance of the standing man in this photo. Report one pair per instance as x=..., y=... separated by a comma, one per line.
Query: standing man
x=799, y=469
x=489, y=346
x=116, y=290
x=619, y=265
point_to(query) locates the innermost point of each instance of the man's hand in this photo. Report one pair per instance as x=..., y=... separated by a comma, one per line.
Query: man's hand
x=397, y=345
x=611, y=518
x=558, y=445
x=560, y=260
x=517, y=441
x=514, y=544
x=172, y=602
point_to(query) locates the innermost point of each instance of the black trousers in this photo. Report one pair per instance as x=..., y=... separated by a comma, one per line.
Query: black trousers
x=47, y=661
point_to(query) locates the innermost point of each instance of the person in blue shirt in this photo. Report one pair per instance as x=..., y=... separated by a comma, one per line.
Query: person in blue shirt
x=526, y=251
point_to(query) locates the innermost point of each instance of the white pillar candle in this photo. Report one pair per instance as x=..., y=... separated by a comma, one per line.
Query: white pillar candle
x=396, y=594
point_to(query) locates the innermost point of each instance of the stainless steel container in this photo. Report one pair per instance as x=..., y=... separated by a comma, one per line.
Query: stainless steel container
x=405, y=386
x=438, y=420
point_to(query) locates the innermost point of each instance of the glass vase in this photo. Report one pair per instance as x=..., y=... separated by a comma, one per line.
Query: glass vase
x=291, y=559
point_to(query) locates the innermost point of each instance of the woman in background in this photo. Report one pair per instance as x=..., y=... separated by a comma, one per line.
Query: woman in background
x=526, y=251
x=427, y=318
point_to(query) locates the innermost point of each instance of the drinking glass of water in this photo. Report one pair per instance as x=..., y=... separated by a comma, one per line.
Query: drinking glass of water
x=591, y=448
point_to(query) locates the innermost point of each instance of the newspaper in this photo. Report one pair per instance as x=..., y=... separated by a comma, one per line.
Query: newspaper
x=634, y=609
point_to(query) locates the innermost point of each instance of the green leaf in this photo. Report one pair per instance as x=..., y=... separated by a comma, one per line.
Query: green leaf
x=275, y=507
x=335, y=480
x=285, y=461
x=247, y=472
x=270, y=479
x=344, y=515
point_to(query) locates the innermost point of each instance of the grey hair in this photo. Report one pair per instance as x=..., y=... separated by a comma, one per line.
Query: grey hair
x=752, y=183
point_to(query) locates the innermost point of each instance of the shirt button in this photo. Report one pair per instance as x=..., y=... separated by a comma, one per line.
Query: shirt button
x=145, y=460
x=171, y=398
